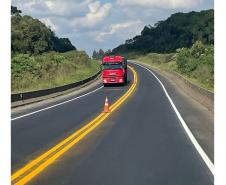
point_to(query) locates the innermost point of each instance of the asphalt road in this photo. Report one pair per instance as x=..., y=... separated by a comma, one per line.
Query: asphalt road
x=141, y=143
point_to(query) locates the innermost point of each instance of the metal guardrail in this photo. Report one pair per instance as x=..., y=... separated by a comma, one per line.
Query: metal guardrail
x=39, y=93
x=203, y=91
x=203, y=96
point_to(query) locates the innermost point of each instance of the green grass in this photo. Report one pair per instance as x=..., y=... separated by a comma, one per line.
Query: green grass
x=156, y=60
x=50, y=69
x=169, y=62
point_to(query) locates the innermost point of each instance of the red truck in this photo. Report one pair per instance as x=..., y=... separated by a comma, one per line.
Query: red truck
x=114, y=70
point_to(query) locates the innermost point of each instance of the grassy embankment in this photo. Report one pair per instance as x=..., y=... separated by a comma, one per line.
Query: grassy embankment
x=51, y=69
x=196, y=64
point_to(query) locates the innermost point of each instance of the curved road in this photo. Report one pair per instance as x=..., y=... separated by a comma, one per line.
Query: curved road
x=142, y=142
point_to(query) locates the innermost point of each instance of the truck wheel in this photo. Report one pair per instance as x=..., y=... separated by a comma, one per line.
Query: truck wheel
x=125, y=81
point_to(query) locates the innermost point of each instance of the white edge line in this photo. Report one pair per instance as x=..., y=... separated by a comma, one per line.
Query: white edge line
x=28, y=114
x=188, y=131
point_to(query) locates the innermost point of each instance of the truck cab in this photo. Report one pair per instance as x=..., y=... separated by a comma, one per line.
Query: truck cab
x=114, y=70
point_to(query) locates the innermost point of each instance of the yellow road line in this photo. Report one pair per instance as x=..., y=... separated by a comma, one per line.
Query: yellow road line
x=68, y=142
x=46, y=154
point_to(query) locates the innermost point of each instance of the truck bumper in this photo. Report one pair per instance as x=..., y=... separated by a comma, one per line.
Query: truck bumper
x=113, y=80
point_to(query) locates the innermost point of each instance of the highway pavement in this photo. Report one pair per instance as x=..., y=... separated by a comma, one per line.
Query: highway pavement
x=141, y=143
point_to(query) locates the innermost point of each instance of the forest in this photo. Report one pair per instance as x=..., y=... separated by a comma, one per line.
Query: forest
x=31, y=36
x=178, y=31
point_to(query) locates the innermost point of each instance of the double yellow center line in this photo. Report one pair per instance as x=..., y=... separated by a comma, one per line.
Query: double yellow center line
x=33, y=168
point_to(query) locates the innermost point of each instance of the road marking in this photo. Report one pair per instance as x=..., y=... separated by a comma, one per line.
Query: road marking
x=114, y=89
x=58, y=104
x=25, y=174
x=187, y=130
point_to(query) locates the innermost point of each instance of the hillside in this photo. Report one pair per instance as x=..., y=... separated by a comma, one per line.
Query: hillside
x=34, y=72
x=195, y=64
x=33, y=37
x=42, y=60
x=179, y=30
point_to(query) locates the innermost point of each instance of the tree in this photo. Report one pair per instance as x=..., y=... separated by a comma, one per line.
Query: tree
x=101, y=54
x=31, y=36
x=14, y=10
x=129, y=41
x=108, y=52
x=94, y=54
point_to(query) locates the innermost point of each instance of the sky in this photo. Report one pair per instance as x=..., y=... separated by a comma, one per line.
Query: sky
x=104, y=24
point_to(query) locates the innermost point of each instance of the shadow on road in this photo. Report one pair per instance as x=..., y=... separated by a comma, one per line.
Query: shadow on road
x=118, y=85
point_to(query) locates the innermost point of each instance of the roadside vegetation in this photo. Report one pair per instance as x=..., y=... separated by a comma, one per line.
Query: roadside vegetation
x=195, y=64
x=183, y=43
x=50, y=69
x=42, y=60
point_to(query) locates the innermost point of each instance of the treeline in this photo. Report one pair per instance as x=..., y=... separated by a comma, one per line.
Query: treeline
x=178, y=31
x=98, y=55
x=31, y=36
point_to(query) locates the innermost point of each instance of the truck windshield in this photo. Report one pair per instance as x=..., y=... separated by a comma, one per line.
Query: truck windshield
x=112, y=65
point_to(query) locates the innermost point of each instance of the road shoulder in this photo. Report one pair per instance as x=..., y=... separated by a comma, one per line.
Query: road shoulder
x=57, y=99
x=199, y=119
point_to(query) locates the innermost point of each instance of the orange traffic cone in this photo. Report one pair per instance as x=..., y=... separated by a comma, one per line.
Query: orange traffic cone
x=106, y=108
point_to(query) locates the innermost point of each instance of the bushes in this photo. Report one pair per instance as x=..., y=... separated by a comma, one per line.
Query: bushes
x=197, y=62
x=50, y=69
